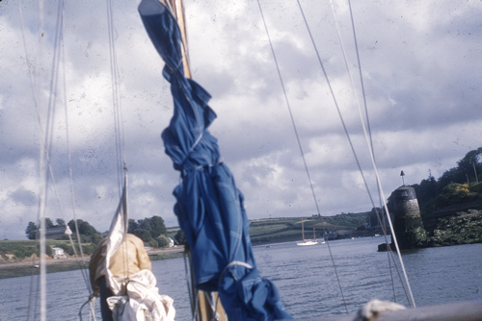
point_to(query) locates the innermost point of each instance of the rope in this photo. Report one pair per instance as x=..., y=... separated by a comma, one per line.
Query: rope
x=299, y=145
x=35, y=104
x=72, y=191
x=118, y=119
x=43, y=188
x=340, y=39
x=369, y=143
x=91, y=302
x=48, y=135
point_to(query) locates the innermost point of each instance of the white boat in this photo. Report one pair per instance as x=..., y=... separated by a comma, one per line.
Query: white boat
x=305, y=242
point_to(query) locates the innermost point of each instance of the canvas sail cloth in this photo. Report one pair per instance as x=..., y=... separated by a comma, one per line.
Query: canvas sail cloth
x=136, y=297
x=209, y=207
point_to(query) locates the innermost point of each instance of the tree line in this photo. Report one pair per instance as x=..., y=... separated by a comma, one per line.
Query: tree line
x=151, y=230
x=462, y=183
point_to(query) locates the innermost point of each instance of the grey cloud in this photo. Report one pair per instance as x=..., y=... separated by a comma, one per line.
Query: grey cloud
x=23, y=196
x=421, y=63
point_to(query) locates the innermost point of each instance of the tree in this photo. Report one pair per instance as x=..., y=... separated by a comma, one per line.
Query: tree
x=31, y=230
x=87, y=232
x=454, y=193
x=48, y=223
x=84, y=227
x=60, y=222
x=465, y=167
x=154, y=225
x=180, y=237
x=162, y=241
x=132, y=226
x=144, y=234
x=157, y=226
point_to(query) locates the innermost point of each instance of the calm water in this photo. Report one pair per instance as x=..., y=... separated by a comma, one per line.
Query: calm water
x=304, y=276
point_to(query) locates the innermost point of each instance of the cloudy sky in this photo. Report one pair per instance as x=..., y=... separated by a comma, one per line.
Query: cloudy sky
x=421, y=63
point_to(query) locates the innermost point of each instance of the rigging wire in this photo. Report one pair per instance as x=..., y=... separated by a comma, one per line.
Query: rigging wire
x=82, y=266
x=43, y=182
x=48, y=135
x=118, y=119
x=372, y=156
x=362, y=83
x=340, y=39
x=300, y=146
x=119, y=135
x=35, y=103
x=389, y=253
x=354, y=152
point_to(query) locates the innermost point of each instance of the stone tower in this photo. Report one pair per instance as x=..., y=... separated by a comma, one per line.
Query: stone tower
x=407, y=221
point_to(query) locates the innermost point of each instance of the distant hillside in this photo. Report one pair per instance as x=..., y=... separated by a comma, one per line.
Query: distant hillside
x=289, y=229
x=273, y=230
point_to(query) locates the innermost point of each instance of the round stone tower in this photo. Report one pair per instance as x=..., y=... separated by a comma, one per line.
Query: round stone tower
x=407, y=221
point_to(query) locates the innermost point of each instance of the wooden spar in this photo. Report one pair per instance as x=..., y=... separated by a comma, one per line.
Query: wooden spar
x=177, y=9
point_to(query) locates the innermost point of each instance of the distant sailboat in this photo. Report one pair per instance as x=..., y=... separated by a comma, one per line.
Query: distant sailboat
x=307, y=242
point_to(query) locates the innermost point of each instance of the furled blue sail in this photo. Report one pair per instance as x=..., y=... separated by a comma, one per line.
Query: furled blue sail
x=209, y=207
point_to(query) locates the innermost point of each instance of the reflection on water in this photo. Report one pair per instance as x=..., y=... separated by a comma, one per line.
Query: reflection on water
x=304, y=276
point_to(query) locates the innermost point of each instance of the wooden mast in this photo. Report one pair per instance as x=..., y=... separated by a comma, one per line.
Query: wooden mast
x=177, y=9
x=203, y=310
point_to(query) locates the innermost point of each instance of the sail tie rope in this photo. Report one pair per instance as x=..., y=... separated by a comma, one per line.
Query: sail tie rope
x=300, y=147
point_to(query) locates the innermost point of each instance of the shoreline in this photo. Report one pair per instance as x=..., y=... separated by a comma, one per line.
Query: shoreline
x=26, y=267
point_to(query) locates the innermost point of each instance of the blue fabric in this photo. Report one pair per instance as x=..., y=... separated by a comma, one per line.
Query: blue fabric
x=209, y=207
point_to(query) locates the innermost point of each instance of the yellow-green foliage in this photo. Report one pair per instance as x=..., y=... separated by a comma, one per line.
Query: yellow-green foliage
x=476, y=188
x=454, y=193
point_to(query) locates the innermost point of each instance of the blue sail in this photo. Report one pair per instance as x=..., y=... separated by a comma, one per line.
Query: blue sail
x=209, y=207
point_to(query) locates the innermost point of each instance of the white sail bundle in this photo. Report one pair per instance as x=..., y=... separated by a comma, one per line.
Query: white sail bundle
x=136, y=297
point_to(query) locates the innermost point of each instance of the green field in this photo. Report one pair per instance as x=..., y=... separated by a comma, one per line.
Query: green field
x=275, y=230
x=289, y=229
x=261, y=231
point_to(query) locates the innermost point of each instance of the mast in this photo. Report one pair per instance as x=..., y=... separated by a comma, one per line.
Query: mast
x=302, y=228
x=177, y=9
x=204, y=310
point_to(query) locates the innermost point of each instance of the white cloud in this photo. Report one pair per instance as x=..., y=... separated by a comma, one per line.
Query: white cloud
x=421, y=70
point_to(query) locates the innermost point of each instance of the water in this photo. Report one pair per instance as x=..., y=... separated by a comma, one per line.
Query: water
x=304, y=277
